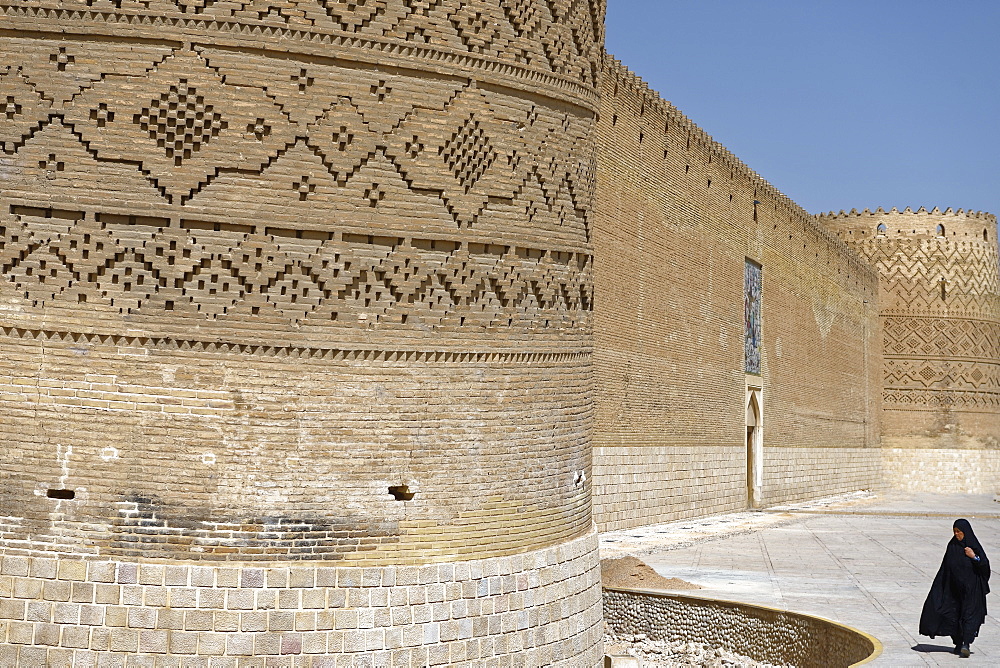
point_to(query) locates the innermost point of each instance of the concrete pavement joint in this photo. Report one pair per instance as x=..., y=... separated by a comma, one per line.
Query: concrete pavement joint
x=770, y=566
x=858, y=559
x=871, y=513
x=872, y=600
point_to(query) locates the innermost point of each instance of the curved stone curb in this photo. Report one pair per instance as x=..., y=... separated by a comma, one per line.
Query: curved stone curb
x=759, y=632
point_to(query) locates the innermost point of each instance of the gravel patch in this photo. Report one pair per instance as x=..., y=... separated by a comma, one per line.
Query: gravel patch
x=674, y=654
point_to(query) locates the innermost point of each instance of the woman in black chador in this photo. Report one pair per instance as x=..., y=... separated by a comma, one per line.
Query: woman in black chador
x=956, y=605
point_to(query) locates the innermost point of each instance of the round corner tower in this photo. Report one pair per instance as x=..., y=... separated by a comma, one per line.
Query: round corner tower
x=940, y=308
x=295, y=323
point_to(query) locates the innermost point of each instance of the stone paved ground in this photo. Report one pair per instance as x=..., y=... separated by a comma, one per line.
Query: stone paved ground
x=862, y=560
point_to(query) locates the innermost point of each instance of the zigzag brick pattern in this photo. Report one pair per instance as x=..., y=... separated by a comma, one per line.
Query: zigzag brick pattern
x=304, y=281
x=940, y=308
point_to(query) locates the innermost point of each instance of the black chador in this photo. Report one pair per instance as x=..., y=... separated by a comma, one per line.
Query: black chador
x=956, y=604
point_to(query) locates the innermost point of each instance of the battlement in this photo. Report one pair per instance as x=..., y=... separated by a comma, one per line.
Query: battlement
x=948, y=225
x=936, y=211
x=657, y=115
x=624, y=77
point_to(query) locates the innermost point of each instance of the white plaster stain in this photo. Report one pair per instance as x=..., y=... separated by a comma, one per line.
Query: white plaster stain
x=824, y=316
x=109, y=453
x=63, y=458
x=208, y=458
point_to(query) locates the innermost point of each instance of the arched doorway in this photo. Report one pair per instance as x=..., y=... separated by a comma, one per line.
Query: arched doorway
x=754, y=447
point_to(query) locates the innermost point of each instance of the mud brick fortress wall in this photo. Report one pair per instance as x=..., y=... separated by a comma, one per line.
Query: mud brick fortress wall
x=296, y=330
x=676, y=222
x=330, y=327
x=940, y=313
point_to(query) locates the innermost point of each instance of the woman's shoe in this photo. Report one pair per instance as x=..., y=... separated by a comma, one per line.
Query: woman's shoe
x=965, y=651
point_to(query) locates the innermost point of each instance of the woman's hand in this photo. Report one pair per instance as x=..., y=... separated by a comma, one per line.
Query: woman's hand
x=970, y=553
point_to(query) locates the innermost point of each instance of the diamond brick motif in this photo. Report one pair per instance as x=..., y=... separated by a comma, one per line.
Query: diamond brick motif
x=21, y=108
x=59, y=71
x=197, y=122
x=477, y=27
x=343, y=139
x=524, y=15
x=468, y=153
x=180, y=122
x=353, y=15
x=61, y=59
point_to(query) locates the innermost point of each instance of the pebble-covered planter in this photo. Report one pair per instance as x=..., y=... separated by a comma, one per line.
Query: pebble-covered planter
x=763, y=634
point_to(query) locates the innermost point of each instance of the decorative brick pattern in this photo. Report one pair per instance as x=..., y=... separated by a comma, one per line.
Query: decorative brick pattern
x=305, y=351
x=298, y=283
x=559, y=37
x=229, y=277
x=940, y=307
x=202, y=218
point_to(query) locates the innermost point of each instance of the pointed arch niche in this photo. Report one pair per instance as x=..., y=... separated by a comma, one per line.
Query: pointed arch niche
x=755, y=445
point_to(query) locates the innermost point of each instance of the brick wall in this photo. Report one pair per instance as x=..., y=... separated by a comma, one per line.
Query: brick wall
x=298, y=282
x=184, y=450
x=940, y=313
x=675, y=223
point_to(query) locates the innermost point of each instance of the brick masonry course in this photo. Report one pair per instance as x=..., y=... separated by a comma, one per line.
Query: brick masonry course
x=303, y=284
x=332, y=328
x=677, y=218
x=940, y=322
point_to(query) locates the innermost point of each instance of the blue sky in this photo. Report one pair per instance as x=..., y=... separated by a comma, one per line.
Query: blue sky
x=838, y=103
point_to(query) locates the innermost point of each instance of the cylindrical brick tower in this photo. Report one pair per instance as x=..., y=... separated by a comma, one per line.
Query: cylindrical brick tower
x=295, y=330
x=940, y=307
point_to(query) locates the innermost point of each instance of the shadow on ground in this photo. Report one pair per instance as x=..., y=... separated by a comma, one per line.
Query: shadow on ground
x=928, y=649
x=864, y=560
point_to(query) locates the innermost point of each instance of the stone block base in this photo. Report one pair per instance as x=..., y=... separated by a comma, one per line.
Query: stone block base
x=537, y=608
x=798, y=474
x=943, y=470
x=637, y=486
x=641, y=485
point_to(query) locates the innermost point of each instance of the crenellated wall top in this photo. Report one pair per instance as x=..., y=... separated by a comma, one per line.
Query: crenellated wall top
x=630, y=89
x=936, y=211
x=650, y=99
x=953, y=225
